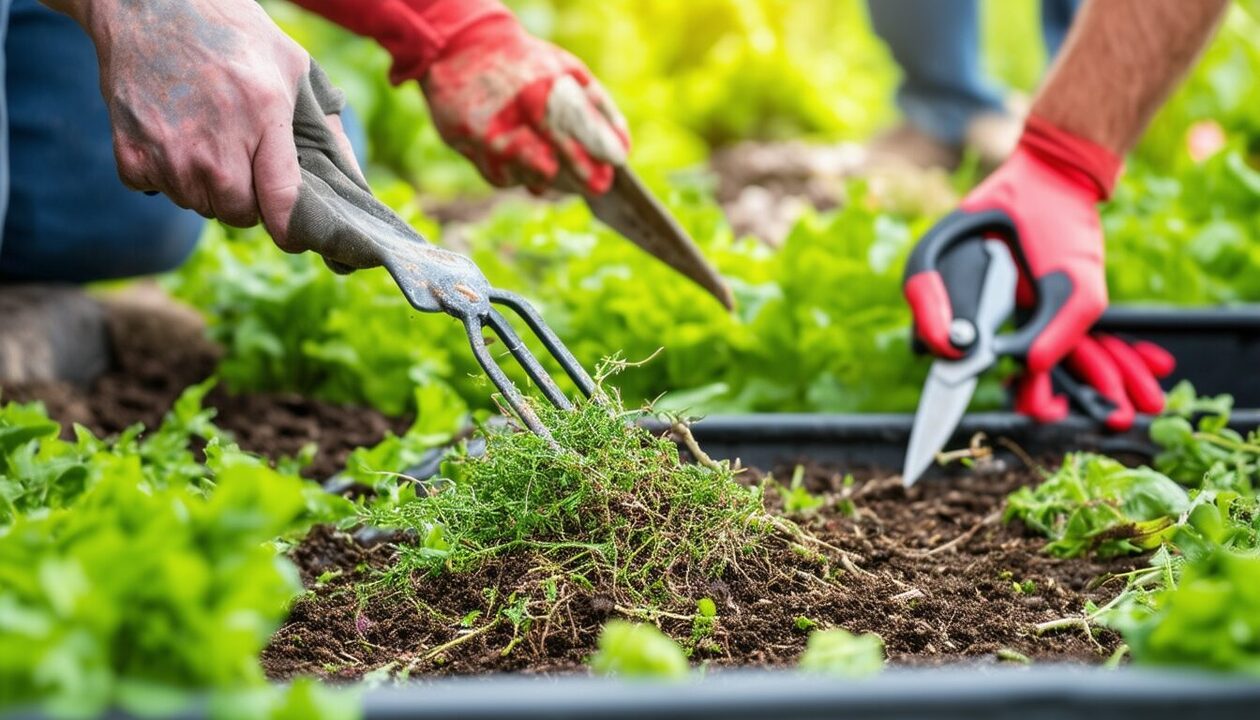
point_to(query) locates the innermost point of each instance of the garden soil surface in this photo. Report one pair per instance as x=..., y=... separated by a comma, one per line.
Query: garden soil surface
x=934, y=574
x=933, y=569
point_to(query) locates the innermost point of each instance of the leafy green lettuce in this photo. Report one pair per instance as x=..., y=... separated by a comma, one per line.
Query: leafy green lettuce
x=135, y=574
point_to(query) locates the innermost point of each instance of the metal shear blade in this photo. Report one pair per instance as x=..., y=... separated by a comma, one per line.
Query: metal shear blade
x=951, y=383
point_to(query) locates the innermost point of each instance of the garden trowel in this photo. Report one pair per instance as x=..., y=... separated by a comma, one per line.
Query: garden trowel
x=630, y=208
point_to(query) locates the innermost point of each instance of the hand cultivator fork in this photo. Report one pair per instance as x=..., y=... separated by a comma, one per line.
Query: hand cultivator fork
x=436, y=280
x=337, y=216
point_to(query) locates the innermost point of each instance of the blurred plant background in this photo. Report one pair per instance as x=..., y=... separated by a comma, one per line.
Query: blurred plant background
x=820, y=324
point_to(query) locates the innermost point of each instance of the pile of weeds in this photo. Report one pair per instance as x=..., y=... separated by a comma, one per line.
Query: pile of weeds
x=607, y=511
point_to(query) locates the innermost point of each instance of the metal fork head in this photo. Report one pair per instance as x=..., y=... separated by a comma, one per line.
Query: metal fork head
x=526, y=359
x=439, y=280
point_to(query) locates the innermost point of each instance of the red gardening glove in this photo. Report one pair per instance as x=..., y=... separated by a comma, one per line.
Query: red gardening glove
x=520, y=108
x=1124, y=373
x=1050, y=188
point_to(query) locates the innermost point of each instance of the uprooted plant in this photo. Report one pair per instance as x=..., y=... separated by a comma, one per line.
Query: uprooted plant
x=607, y=511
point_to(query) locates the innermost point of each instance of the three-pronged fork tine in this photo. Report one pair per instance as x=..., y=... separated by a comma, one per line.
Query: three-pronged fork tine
x=476, y=324
x=527, y=361
x=511, y=394
x=571, y=366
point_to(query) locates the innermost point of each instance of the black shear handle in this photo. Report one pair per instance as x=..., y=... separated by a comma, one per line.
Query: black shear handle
x=953, y=251
x=1086, y=399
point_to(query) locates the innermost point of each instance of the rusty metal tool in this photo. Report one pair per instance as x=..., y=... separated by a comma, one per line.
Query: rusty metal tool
x=337, y=216
x=630, y=208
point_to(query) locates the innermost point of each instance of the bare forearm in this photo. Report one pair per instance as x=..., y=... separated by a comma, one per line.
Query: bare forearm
x=1120, y=62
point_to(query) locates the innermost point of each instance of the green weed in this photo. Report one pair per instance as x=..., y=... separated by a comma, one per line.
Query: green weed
x=607, y=502
x=840, y=653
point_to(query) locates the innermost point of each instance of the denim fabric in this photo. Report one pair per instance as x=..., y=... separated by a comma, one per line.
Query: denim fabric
x=1056, y=18
x=69, y=217
x=4, y=123
x=937, y=45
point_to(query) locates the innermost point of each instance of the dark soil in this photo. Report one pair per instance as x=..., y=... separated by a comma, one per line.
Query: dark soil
x=159, y=349
x=934, y=575
x=933, y=570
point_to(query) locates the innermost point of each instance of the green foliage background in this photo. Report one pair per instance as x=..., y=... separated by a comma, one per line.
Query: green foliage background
x=133, y=572
x=1197, y=602
x=821, y=325
x=135, y=575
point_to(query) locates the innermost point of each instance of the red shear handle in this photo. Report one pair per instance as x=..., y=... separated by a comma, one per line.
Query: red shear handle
x=943, y=283
x=1043, y=203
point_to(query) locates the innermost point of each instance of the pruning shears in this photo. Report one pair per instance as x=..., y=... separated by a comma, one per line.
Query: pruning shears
x=980, y=275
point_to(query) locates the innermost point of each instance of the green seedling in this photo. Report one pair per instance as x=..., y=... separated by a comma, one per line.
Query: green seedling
x=1027, y=587
x=796, y=499
x=840, y=653
x=638, y=650
x=1197, y=602
x=705, y=621
x=140, y=557
x=1094, y=504
x=804, y=624
x=1209, y=619
x=327, y=576
x=1013, y=656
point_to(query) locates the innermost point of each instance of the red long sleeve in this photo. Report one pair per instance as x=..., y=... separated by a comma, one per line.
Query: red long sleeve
x=413, y=31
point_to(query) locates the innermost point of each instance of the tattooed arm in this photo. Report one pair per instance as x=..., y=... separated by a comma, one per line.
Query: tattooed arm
x=201, y=96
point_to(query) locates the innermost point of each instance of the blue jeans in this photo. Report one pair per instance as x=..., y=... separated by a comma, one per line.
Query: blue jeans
x=937, y=45
x=69, y=218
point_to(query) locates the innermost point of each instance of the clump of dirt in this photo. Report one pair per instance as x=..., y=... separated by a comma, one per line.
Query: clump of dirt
x=934, y=572
x=159, y=349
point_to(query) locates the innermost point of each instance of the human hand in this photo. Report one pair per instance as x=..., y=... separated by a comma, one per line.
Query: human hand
x=522, y=109
x=201, y=97
x=1049, y=190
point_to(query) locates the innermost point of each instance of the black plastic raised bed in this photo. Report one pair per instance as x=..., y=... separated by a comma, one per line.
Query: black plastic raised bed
x=1218, y=349
x=955, y=693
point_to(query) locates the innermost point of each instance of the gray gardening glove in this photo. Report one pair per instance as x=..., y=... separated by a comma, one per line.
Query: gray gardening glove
x=337, y=216
x=328, y=178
